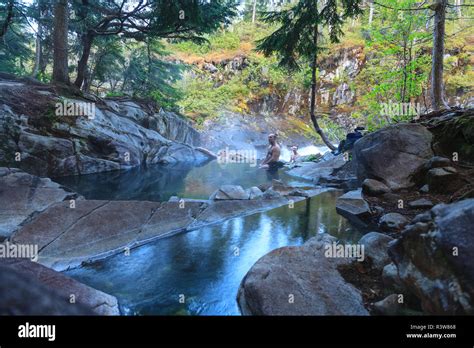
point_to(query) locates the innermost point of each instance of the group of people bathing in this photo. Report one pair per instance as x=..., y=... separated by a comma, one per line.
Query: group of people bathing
x=272, y=160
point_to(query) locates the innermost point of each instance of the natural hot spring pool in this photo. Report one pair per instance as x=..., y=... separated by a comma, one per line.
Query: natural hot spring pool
x=159, y=183
x=207, y=265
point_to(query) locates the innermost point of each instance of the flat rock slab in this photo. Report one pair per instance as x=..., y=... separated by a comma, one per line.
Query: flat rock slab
x=25, y=194
x=299, y=281
x=95, y=229
x=64, y=287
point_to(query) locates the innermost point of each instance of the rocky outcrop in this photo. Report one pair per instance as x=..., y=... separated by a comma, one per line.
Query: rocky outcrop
x=453, y=134
x=299, y=281
x=26, y=195
x=72, y=297
x=434, y=258
x=112, y=135
x=393, y=155
x=22, y=296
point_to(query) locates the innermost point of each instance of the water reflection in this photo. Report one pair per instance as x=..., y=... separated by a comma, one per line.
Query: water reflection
x=207, y=265
x=159, y=183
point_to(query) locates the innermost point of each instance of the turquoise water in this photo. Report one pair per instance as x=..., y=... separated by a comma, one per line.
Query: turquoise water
x=204, y=268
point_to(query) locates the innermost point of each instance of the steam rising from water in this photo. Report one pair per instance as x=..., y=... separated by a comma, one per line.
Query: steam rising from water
x=303, y=151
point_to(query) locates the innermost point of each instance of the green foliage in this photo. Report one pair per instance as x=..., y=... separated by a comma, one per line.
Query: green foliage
x=398, y=68
x=295, y=39
x=202, y=98
x=15, y=55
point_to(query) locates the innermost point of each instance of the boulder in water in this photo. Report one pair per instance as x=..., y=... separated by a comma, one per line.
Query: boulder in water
x=352, y=206
x=226, y=192
x=299, y=280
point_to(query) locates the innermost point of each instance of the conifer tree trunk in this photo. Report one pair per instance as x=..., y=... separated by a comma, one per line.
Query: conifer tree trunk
x=60, y=59
x=314, y=120
x=437, y=86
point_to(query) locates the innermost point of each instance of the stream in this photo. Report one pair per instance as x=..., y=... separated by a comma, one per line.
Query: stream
x=199, y=272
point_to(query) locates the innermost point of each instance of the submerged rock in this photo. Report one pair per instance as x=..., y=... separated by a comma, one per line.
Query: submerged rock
x=317, y=170
x=299, y=281
x=434, y=259
x=226, y=192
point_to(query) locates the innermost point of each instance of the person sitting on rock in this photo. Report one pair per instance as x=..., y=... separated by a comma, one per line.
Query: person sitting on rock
x=294, y=155
x=271, y=161
x=348, y=143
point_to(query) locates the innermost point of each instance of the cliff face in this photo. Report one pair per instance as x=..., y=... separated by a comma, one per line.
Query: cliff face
x=47, y=134
x=343, y=81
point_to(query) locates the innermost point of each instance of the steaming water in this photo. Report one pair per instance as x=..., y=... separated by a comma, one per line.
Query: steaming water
x=303, y=151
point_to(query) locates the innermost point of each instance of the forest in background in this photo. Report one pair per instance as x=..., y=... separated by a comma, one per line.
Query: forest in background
x=182, y=65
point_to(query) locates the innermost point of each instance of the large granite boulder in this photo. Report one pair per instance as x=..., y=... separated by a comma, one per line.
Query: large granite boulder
x=434, y=258
x=299, y=281
x=25, y=194
x=23, y=296
x=71, y=293
x=393, y=155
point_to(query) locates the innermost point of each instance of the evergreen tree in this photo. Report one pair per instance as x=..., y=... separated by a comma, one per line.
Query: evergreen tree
x=296, y=40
